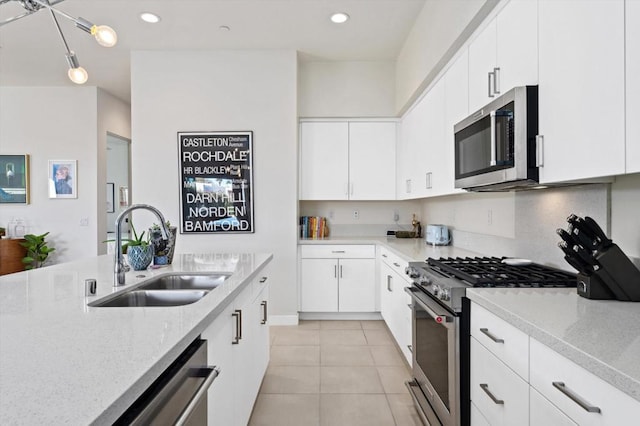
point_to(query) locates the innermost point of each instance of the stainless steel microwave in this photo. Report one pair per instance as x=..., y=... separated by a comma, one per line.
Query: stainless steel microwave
x=495, y=148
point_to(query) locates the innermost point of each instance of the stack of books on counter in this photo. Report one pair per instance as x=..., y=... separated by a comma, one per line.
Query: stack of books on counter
x=313, y=227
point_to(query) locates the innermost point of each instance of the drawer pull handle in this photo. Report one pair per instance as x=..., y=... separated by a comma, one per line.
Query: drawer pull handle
x=410, y=348
x=485, y=388
x=397, y=265
x=491, y=336
x=263, y=279
x=384, y=255
x=575, y=398
x=337, y=251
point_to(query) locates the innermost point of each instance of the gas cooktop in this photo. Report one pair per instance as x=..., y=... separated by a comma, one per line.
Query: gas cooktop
x=492, y=272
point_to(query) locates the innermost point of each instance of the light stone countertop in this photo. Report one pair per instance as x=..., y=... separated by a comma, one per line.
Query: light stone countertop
x=601, y=336
x=62, y=362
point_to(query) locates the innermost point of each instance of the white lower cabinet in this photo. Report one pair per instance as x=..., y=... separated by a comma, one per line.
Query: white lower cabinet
x=558, y=392
x=394, y=301
x=497, y=391
x=544, y=413
x=238, y=344
x=338, y=278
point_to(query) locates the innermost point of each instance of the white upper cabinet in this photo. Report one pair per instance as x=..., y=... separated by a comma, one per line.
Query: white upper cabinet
x=344, y=160
x=456, y=108
x=505, y=54
x=372, y=154
x=581, y=89
x=632, y=26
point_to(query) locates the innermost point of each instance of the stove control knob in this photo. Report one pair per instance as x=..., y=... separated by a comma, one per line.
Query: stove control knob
x=445, y=295
x=412, y=272
x=424, y=281
x=435, y=289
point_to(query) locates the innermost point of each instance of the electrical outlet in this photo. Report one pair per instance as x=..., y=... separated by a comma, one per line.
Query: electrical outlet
x=489, y=217
x=84, y=221
x=330, y=214
x=356, y=214
x=396, y=216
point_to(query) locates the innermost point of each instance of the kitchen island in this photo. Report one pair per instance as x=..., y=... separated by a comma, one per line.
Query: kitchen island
x=63, y=362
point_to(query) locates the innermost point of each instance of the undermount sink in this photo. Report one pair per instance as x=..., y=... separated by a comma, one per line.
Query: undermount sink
x=139, y=297
x=184, y=282
x=165, y=290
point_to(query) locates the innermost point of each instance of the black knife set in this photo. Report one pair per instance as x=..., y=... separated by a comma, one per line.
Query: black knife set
x=604, y=271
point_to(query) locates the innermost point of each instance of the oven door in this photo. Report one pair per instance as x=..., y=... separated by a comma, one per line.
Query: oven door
x=436, y=362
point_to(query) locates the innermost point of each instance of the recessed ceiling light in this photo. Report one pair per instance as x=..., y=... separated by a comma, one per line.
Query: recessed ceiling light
x=149, y=17
x=339, y=18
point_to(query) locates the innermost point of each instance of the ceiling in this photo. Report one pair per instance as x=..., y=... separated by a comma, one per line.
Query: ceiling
x=32, y=54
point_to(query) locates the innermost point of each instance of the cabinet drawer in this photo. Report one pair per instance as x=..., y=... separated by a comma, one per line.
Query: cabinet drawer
x=544, y=413
x=576, y=390
x=499, y=394
x=502, y=339
x=395, y=262
x=343, y=251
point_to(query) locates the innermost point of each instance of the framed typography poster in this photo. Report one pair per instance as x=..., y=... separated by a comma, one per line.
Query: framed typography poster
x=216, y=182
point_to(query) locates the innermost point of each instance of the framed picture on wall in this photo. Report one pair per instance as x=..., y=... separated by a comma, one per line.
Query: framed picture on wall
x=63, y=179
x=14, y=179
x=111, y=208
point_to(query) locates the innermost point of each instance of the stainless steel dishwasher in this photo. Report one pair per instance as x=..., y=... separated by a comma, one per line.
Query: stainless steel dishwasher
x=179, y=395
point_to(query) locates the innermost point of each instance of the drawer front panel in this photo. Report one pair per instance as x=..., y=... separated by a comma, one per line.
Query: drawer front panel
x=344, y=251
x=502, y=339
x=585, y=398
x=395, y=262
x=544, y=413
x=499, y=394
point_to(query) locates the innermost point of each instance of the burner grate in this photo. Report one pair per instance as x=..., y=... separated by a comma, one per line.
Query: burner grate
x=491, y=272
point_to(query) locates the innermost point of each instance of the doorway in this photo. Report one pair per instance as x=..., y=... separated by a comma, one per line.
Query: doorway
x=118, y=184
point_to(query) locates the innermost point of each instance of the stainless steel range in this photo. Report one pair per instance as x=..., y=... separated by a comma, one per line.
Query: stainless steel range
x=440, y=384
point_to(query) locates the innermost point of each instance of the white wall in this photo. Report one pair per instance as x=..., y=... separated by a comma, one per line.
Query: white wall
x=440, y=28
x=218, y=91
x=61, y=123
x=346, y=89
x=625, y=213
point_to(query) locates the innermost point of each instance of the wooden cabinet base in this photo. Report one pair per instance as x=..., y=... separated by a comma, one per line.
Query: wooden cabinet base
x=11, y=254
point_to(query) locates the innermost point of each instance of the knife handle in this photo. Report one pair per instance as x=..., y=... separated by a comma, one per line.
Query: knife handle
x=597, y=231
x=566, y=237
x=584, y=240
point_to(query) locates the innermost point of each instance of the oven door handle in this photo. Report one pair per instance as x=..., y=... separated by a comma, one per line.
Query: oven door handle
x=440, y=319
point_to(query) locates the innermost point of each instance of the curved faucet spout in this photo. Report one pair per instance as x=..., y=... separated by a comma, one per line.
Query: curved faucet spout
x=120, y=267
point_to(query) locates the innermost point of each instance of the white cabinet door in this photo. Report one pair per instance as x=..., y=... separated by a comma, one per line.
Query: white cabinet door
x=436, y=172
x=482, y=61
x=246, y=388
x=356, y=285
x=581, y=89
x=324, y=160
x=456, y=108
x=632, y=26
x=220, y=398
x=517, y=45
x=261, y=356
x=372, y=161
x=319, y=285
x=544, y=413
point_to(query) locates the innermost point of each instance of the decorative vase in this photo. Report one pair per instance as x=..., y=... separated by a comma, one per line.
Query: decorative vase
x=140, y=257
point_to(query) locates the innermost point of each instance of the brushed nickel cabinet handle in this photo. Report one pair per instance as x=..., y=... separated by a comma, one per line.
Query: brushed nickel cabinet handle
x=263, y=279
x=491, y=336
x=237, y=315
x=485, y=388
x=264, y=312
x=496, y=80
x=489, y=80
x=575, y=398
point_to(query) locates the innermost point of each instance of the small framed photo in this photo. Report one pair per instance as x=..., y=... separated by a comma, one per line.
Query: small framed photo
x=14, y=179
x=63, y=179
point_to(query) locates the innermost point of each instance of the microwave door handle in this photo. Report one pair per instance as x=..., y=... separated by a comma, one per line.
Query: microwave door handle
x=492, y=115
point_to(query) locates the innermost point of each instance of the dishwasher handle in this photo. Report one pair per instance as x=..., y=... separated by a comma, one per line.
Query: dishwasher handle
x=213, y=372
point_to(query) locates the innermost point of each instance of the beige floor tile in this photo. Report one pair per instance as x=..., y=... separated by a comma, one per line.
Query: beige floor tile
x=355, y=410
x=403, y=410
x=387, y=355
x=309, y=324
x=393, y=379
x=296, y=336
x=342, y=337
x=291, y=379
x=286, y=410
x=373, y=325
x=340, y=325
x=295, y=355
x=350, y=380
x=378, y=337
x=342, y=355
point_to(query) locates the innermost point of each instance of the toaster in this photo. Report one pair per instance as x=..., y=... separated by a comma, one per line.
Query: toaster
x=438, y=235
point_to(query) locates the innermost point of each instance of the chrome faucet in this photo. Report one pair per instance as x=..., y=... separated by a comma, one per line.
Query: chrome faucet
x=120, y=266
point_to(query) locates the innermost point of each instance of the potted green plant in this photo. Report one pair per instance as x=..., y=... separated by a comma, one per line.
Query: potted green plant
x=139, y=250
x=37, y=250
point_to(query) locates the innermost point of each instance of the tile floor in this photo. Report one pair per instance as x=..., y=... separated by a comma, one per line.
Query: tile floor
x=334, y=373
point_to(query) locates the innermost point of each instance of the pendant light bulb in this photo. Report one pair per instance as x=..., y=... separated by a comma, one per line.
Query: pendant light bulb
x=78, y=75
x=105, y=35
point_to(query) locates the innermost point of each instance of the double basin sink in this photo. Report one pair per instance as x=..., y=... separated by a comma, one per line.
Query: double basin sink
x=165, y=290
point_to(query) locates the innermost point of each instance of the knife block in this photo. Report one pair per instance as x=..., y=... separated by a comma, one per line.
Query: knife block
x=591, y=287
x=619, y=274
